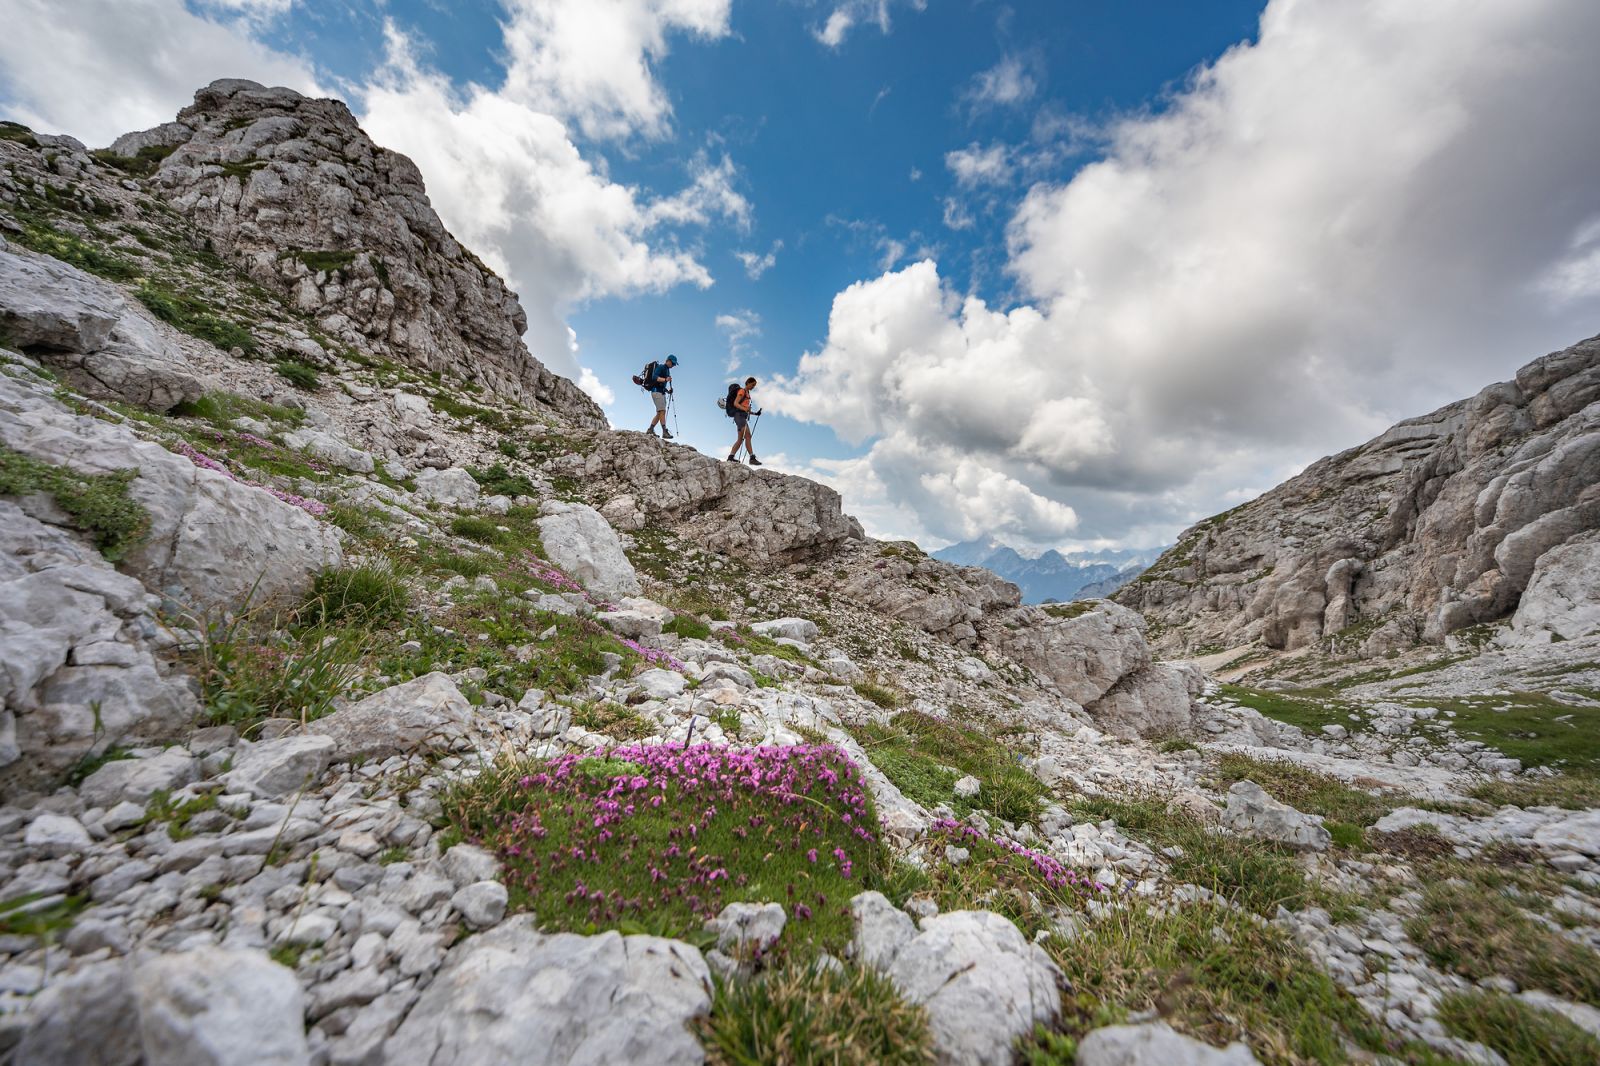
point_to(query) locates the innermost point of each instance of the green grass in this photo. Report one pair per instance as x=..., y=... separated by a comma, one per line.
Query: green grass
x=1308, y=709
x=300, y=375
x=142, y=164
x=515, y=531
x=1252, y=873
x=99, y=504
x=688, y=627
x=16, y=131
x=222, y=408
x=176, y=816
x=496, y=480
x=809, y=1015
x=324, y=262
x=1306, y=790
x=882, y=695
x=1028, y=890
x=250, y=668
x=611, y=719
x=1177, y=744
x=1573, y=791
x=372, y=596
x=1530, y=726
x=924, y=756
x=78, y=252
x=1524, y=1034
x=195, y=317
x=1215, y=974
x=644, y=870
x=43, y=923
x=1477, y=929
x=1075, y=609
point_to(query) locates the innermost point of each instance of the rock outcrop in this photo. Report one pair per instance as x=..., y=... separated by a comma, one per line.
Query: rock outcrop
x=292, y=190
x=1440, y=523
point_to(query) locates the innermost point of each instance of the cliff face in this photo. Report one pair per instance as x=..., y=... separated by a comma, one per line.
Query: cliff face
x=1438, y=524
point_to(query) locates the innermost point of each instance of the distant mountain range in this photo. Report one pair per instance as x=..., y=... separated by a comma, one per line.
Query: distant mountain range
x=1053, y=575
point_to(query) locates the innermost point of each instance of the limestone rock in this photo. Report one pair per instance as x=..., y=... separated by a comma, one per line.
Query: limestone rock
x=55, y=835
x=1250, y=810
x=1155, y=1044
x=211, y=1007
x=331, y=449
x=211, y=540
x=1563, y=597
x=744, y=929
x=514, y=995
x=73, y=637
x=427, y=713
x=272, y=769
x=801, y=629
x=481, y=904
x=1086, y=654
x=88, y=1018
x=1437, y=524
x=453, y=488
x=982, y=983
x=580, y=542
x=136, y=780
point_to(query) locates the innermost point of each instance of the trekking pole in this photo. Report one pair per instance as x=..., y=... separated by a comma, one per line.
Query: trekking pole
x=672, y=401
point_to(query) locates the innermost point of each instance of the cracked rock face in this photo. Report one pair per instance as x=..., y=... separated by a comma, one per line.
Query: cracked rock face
x=270, y=174
x=1440, y=523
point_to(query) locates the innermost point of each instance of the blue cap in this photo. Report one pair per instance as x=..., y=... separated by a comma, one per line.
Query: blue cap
x=672, y=360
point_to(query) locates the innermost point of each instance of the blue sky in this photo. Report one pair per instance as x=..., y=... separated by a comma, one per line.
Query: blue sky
x=1065, y=273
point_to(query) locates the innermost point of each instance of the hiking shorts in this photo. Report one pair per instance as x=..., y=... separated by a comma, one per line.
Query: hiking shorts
x=741, y=418
x=660, y=399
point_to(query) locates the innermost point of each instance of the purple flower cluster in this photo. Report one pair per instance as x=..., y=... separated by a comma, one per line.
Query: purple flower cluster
x=664, y=829
x=206, y=462
x=654, y=656
x=1049, y=869
x=543, y=572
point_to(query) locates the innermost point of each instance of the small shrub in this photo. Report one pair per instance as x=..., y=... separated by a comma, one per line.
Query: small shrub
x=222, y=408
x=98, y=503
x=472, y=527
x=1522, y=1033
x=496, y=480
x=248, y=671
x=139, y=165
x=298, y=374
x=814, y=1016
x=331, y=262
x=1177, y=744
x=367, y=595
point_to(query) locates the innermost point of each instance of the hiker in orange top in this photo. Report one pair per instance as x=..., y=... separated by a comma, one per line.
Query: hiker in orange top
x=740, y=411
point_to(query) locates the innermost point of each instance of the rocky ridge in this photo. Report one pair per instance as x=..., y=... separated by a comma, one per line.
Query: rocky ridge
x=1483, y=511
x=208, y=853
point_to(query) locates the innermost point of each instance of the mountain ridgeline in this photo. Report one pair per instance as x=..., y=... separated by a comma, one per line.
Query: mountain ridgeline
x=1053, y=576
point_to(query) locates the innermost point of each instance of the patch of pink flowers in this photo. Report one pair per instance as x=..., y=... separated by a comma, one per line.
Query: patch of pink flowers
x=660, y=831
x=654, y=656
x=206, y=462
x=1052, y=871
x=543, y=572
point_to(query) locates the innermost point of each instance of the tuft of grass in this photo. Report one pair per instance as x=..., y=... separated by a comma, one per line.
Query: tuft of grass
x=324, y=262
x=160, y=808
x=1478, y=929
x=25, y=916
x=1306, y=790
x=366, y=595
x=1028, y=887
x=300, y=375
x=1177, y=744
x=1215, y=974
x=195, y=317
x=813, y=1015
x=1075, y=609
x=249, y=669
x=98, y=503
x=612, y=720
x=141, y=164
x=1255, y=874
x=687, y=627
x=78, y=252
x=1522, y=1033
x=924, y=756
x=222, y=408
x=666, y=837
x=496, y=480
x=882, y=695
x=1573, y=791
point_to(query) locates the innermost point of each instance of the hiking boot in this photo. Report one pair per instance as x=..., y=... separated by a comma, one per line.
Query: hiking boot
x=665, y=435
x=733, y=458
x=754, y=461
x=650, y=432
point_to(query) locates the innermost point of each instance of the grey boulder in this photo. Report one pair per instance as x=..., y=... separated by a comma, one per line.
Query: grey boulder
x=452, y=488
x=579, y=541
x=1251, y=811
x=425, y=713
x=136, y=780
x=515, y=995
x=272, y=769
x=1155, y=1044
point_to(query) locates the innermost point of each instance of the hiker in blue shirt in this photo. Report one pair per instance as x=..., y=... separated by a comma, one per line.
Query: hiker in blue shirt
x=657, y=381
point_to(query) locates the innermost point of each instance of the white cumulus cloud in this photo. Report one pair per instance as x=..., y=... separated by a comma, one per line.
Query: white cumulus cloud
x=758, y=263
x=848, y=14
x=1376, y=207
x=740, y=327
x=1009, y=83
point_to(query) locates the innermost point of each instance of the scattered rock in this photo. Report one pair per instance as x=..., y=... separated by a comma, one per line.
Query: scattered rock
x=272, y=769
x=427, y=713
x=1155, y=1044
x=1250, y=810
x=579, y=541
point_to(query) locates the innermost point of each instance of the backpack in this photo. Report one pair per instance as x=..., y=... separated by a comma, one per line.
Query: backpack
x=648, y=379
x=727, y=402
